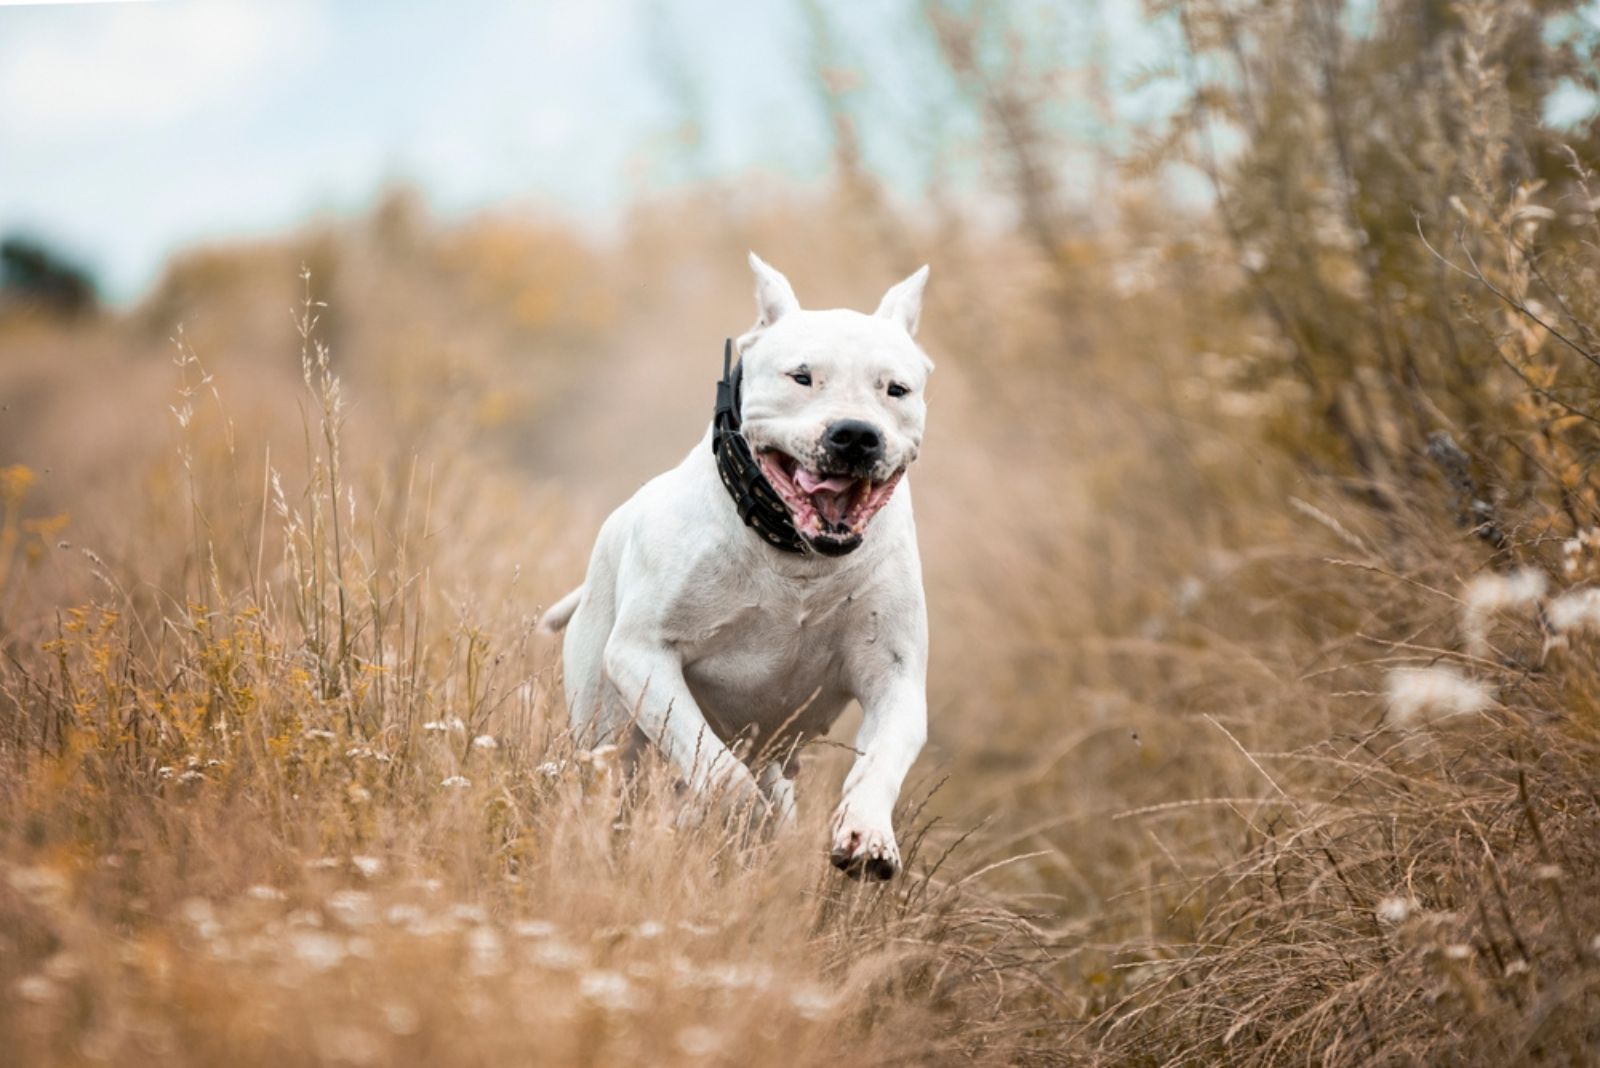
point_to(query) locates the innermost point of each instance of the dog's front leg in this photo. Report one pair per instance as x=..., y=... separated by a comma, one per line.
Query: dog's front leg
x=893, y=729
x=648, y=677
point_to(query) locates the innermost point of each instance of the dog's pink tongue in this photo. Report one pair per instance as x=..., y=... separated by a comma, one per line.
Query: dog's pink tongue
x=810, y=483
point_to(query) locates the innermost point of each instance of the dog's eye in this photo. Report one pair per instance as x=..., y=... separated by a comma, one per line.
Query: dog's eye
x=802, y=377
x=897, y=390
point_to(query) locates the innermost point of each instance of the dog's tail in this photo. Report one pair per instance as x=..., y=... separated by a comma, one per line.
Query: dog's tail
x=556, y=617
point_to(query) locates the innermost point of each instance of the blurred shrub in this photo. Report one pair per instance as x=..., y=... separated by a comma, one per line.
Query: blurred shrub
x=35, y=277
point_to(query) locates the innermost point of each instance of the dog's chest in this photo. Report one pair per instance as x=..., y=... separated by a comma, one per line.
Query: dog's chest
x=775, y=653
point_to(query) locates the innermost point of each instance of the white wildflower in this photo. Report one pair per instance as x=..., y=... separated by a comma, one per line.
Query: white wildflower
x=1421, y=695
x=485, y=951
x=317, y=950
x=456, y=782
x=37, y=989
x=1578, y=553
x=353, y=908
x=1571, y=556
x=485, y=741
x=1575, y=610
x=464, y=912
x=556, y=955
x=1491, y=593
x=609, y=990
x=370, y=867
x=440, y=726
x=43, y=886
x=1395, y=909
x=812, y=1002
x=551, y=769
x=198, y=912
x=726, y=975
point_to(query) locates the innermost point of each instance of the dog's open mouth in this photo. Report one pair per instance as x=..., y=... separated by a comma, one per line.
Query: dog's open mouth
x=830, y=512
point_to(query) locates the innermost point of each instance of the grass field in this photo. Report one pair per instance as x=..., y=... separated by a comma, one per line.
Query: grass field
x=1261, y=555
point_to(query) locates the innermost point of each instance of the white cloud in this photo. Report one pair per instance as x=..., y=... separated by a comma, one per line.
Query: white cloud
x=66, y=73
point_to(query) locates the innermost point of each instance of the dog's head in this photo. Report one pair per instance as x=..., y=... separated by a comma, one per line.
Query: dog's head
x=833, y=404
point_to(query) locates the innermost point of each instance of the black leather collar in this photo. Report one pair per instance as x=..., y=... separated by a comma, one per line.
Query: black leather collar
x=759, y=504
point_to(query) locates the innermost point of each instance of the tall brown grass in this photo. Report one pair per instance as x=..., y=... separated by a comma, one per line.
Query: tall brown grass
x=1260, y=549
x=312, y=800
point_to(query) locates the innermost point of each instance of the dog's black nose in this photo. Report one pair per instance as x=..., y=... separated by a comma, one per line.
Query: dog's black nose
x=854, y=443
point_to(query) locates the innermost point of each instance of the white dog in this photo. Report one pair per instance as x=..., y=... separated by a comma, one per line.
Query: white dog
x=737, y=603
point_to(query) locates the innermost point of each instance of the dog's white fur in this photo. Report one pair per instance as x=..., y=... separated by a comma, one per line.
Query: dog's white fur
x=693, y=632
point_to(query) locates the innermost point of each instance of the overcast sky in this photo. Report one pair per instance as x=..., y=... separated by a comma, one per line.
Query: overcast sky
x=129, y=130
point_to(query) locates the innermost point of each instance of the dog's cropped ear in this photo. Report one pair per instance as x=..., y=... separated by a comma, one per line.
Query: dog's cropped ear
x=774, y=295
x=903, y=303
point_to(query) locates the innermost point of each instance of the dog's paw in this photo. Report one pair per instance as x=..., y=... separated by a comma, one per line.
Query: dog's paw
x=863, y=852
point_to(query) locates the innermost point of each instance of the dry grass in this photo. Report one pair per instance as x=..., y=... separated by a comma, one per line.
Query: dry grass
x=305, y=795
x=286, y=779
x=1261, y=555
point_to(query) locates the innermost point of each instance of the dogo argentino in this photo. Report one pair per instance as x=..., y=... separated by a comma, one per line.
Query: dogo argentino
x=736, y=604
